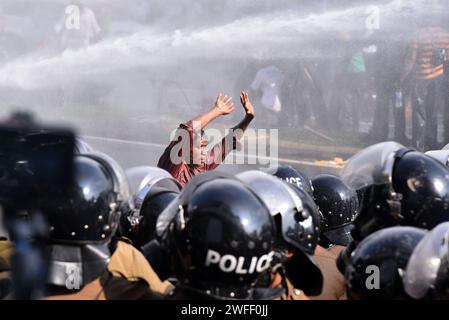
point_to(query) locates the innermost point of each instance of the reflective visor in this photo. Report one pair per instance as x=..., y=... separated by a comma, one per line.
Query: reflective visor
x=370, y=165
x=424, y=264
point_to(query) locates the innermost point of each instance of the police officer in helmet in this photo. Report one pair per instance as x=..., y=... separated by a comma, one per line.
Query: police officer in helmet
x=297, y=235
x=338, y=205
x=219, y=237
x=376, y=266
x=333, y=281
x=153, y=189
x=85, y=260
x=400, y=187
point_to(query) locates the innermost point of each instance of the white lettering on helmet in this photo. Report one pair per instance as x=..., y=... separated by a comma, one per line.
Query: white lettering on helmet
x=212, y=257
x=253, y=264
x=229, y=263
x=264, y=262
x=240, y=269
x=294, y=180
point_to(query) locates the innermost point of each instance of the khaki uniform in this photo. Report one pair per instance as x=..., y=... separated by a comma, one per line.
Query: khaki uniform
x=333, y=280
x=6, y=250
x=129, y=276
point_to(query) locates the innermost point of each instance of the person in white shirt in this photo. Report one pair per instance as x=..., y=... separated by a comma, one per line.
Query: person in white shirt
x=269, y=81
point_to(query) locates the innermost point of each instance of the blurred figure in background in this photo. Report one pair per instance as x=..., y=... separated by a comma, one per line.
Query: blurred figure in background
x=349, y=83
x=78, y=27
x=302, y=93
x=389, y=94
x=423, y=75
x=269, y=81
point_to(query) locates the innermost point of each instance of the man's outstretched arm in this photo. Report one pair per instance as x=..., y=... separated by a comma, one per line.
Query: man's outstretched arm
x=223, y=106
x=219, y=152
x=249, y=116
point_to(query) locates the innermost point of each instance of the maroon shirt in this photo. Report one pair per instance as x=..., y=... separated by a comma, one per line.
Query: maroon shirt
x=182, y=171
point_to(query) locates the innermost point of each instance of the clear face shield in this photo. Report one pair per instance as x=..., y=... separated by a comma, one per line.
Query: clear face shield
x=144, y=181
x=370, y=166
x=424, y=264
x=139, y=177
x=440, y=155
x=370, y=173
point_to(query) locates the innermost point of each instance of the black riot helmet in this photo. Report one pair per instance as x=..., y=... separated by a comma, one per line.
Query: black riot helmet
x=153, y=190
x=424, y=186
x=400, y=187
x=292, y=176
x=219, y=236
x=91, y=212
x=427, y=272
x=297, y=226
x=338, y=205
x=376, y=266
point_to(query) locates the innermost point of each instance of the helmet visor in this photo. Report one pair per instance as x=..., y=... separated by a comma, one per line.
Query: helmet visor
x=370, y=165
x=423, y=265
x=440, y=155
x=167, y=184
x=139, y=177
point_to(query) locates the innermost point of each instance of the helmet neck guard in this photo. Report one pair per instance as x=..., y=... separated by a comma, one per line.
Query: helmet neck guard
x=76, y=265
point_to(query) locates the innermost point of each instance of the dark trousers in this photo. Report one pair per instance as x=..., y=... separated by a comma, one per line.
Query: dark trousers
x=385, y=100
x=425, y=97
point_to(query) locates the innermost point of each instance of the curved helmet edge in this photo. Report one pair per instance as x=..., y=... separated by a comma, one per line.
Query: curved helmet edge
x=422, y=269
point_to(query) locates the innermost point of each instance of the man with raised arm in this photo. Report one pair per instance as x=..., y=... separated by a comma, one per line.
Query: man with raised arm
x=186, y=155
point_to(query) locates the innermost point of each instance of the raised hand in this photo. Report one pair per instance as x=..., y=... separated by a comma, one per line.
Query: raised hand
x=246, y=103
x=224, y=104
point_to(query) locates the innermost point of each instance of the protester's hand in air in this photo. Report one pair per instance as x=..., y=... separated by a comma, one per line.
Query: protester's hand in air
x=246, y=103
x=224, y=104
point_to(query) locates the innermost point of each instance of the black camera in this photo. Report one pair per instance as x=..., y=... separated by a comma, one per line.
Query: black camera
x=36, y=168
x=36, y=163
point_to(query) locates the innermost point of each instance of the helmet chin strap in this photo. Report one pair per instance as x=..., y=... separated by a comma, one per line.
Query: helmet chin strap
x=72, y=267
